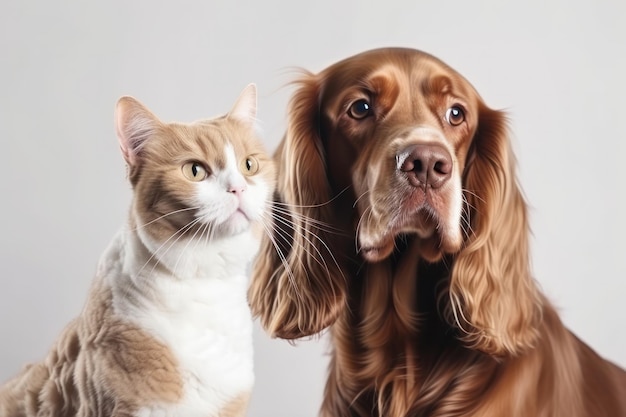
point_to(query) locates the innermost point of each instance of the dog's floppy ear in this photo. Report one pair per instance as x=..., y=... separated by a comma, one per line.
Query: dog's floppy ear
x=494, y=299
x=298, y=288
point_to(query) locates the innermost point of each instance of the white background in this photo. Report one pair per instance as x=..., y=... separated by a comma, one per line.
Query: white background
x=557, y=67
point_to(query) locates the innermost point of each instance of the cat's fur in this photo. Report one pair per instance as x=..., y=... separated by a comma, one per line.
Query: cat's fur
x=166, y=330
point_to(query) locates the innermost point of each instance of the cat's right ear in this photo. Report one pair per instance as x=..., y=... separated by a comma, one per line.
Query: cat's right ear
x=246, y=105
x=134, y=124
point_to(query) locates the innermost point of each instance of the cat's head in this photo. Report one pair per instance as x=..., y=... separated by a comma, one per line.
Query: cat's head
x=207, y=179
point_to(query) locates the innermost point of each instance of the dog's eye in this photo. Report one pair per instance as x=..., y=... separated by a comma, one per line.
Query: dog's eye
x=455, y=115
x=360, y=109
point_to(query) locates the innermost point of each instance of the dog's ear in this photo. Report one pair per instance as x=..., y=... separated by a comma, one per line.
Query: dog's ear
x=494, y=299
x=298, y=288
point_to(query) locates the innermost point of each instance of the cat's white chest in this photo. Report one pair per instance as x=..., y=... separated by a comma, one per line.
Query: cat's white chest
x=210, y=333
x=202, y=317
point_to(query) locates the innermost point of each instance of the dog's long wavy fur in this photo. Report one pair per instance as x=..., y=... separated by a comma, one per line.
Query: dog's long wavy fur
x=421, y=330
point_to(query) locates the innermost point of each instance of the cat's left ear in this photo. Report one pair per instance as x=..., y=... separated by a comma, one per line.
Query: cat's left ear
x=134, y=124
x=245, y=106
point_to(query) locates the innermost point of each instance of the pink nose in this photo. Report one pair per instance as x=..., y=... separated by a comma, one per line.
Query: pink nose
x=237, y=189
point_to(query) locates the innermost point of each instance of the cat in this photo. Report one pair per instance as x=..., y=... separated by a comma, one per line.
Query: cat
x=166, y=329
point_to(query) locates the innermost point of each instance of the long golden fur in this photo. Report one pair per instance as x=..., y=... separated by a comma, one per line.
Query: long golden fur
x=400, y=225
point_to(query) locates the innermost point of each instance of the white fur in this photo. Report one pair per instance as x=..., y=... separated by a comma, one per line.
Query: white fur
x=231, y=210
x=192, y=296
x=204, y=319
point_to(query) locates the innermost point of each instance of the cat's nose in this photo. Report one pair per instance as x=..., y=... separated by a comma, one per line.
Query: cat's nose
x=237, y=189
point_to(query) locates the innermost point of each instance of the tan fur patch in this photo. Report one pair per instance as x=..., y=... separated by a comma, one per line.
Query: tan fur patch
x=140, y=369
x=236, y=407
x=99, y=363
x=134, y=366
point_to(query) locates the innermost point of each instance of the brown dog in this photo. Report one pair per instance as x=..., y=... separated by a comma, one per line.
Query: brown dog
x=399, y=223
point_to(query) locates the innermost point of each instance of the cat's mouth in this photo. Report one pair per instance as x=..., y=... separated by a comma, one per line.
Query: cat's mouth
x=238, y=221
x=239, y=212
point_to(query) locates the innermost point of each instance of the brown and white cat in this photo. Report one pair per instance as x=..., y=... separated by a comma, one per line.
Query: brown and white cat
x=166, y=330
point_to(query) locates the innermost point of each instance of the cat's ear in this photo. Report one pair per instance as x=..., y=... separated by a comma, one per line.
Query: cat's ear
x=134, y=124
x=245, y=106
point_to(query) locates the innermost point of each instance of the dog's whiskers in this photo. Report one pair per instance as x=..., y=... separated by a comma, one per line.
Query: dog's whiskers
x=363, y=194
x=368, y=212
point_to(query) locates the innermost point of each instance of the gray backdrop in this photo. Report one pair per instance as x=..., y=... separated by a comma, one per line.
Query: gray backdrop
x=557, y=67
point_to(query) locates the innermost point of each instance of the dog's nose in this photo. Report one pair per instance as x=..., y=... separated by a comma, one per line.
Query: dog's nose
x=425, y=165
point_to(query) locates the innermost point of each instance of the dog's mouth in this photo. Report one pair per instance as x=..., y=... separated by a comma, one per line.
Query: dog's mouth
x=377, y=253
x=376, y=245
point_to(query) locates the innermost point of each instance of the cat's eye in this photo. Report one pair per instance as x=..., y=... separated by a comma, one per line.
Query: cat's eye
x=250, y=165
x=455, y=115
x=194, y=171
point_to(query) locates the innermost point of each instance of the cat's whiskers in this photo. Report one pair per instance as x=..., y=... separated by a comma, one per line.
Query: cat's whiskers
x=164, y=216
x=276, y=230
x=205, y=237
x=269, y=229
x=177, y=235
x=201, y=229
x=281, y=213
x=317, y=255
x=322, y=226
x=280, y=225
x=288, y=205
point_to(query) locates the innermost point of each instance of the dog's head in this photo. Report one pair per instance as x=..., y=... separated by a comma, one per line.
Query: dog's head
x=394, y=144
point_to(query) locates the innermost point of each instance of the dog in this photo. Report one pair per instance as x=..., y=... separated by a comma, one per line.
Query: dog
x=399, y=224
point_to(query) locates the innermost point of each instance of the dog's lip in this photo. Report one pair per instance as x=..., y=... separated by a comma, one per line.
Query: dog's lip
x=423, y=223
x=426, y=224
x=375, y=251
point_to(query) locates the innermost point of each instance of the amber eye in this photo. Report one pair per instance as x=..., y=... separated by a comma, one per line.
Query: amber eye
x=194, y=171
x=455, y=115
x=360, y=109
x=250, y=165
